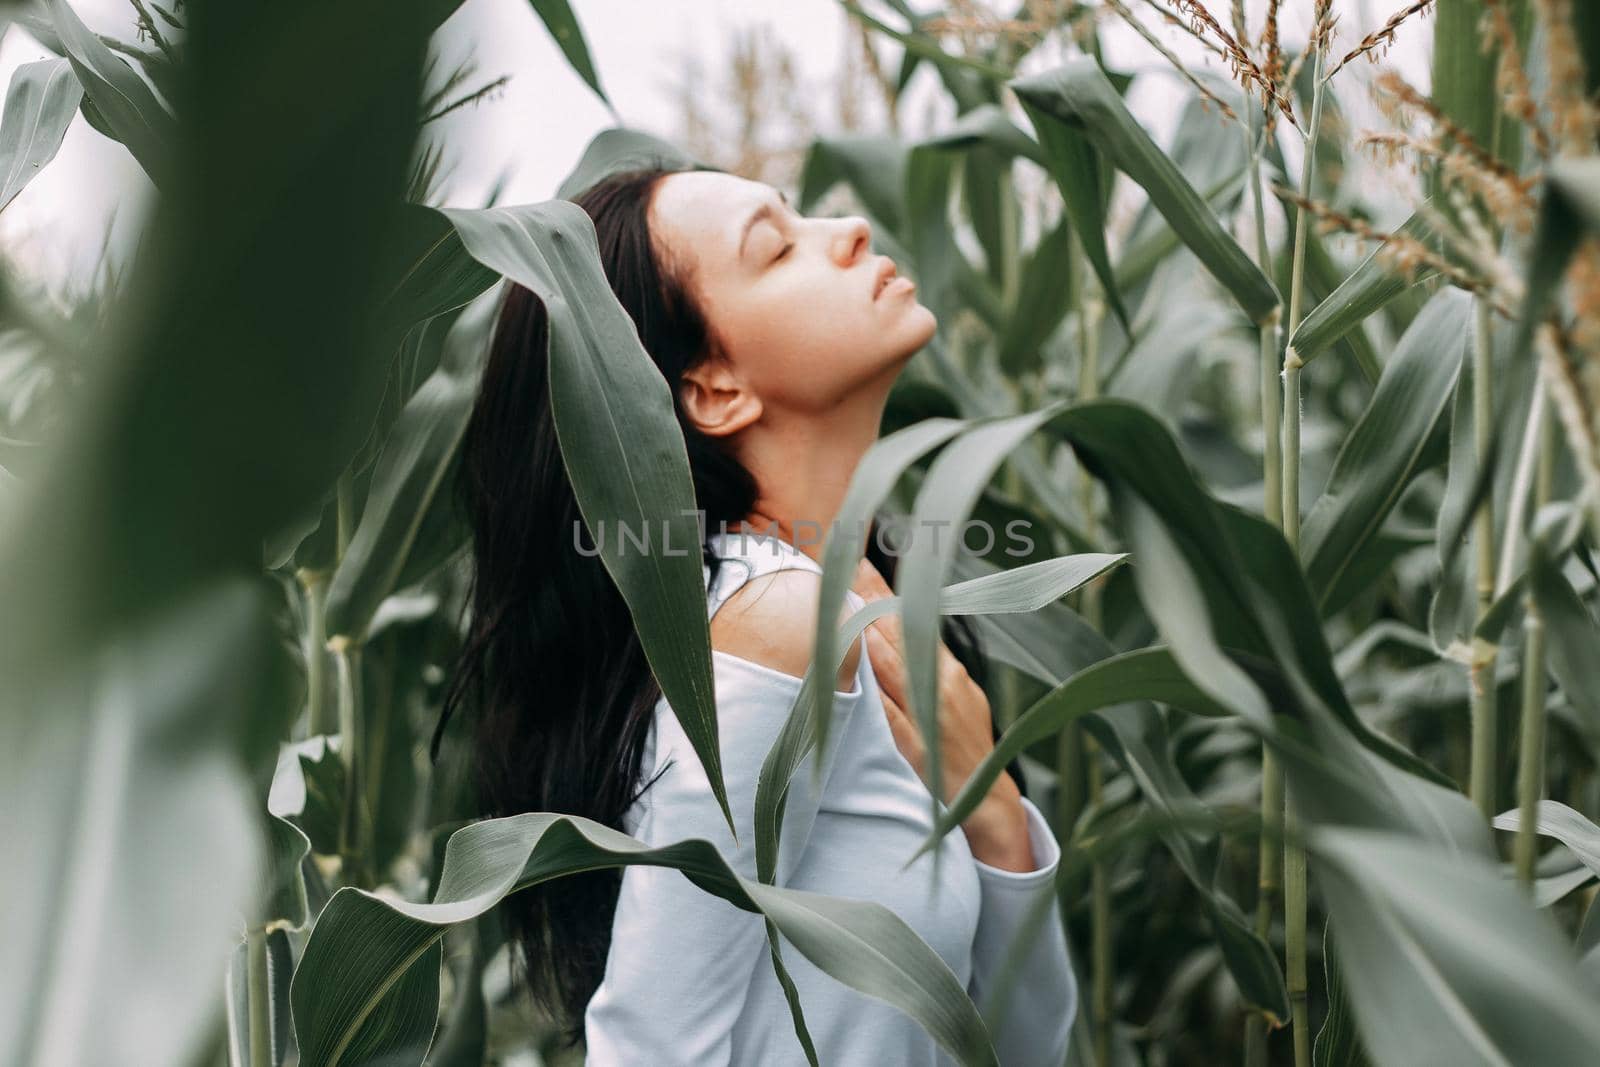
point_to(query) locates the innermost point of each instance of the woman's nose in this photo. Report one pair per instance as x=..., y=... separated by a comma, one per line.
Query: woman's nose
x=853, y=240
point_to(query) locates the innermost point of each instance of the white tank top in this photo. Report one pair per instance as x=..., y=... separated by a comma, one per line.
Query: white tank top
x=688, y=977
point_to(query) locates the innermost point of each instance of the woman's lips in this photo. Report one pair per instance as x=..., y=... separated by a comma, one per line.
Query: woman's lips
x=887, y=278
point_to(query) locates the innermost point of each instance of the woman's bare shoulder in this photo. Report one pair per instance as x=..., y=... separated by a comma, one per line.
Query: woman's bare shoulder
x=771, y=620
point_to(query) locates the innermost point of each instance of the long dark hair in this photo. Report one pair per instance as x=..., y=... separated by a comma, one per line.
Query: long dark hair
x=558, y=688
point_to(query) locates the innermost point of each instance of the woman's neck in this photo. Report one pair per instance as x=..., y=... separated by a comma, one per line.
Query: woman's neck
x=803, y=469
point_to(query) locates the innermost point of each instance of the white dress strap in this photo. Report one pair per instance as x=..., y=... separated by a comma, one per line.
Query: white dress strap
x=747, y=556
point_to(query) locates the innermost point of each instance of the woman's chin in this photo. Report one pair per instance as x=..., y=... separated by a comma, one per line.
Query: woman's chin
x=927, y=323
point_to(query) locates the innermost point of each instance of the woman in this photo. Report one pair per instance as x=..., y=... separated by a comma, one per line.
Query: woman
x=780, y=336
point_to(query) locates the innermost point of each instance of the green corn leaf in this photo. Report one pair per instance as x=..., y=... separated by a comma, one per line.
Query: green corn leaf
x=563, y=25
x=433, y=273
x=1079, y=95
x=618, y=149
x=1562, y=823
x=1019, y=590
x=873, y=166
x=1043, y=299
x=874, y=479
x=944, y=503
x=1389, y=443
x=1368, y=289
x=123, y=102
x=1571, y=636
x=40, y=103
x=363, y=943
x=601, y=380
x=410, y=474
x=1144, y=674
x=1189, y=554
x=1074, y=163
x=1445, y=970
x=987, y=126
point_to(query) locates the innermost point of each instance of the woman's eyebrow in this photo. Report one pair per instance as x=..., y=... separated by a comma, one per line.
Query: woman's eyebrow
x=765, y=211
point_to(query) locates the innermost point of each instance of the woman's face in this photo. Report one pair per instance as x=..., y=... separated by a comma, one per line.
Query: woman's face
x=798, y=304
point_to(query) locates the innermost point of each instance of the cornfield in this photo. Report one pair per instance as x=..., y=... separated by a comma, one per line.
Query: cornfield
x=1305, y=667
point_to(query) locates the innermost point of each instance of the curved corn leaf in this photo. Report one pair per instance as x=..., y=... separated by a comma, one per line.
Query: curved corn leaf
x=434, y=274
x=1021, y=589
x=410, y=473
x=1571, y=636
x=1044, y=296
x=1124, y=682
x=618, y=149
x=1337, y=1044
x=1445, y=969
x=1556, y=820
x=1389, y=443
x=875, y=477
x=1175, y=528
x=124, y=103
x=944, y=502
x=988, y=126
x=600, y=381
x=363, y=943
x=284, y=896
x=1080, y=95
x=873, y=166
x=1367, y=290
x=40, y=103
x=563, y=25
x=1075, y=165
x=1144, y=674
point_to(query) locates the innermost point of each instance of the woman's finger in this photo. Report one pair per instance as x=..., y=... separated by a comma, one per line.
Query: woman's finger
x=870, y=586
x=887, y=666
x=907, y=738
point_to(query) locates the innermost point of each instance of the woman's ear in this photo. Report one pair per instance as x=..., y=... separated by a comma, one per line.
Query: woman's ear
x=716, y=400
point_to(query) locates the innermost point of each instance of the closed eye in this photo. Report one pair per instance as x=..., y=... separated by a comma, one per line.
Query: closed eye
x=783, y=252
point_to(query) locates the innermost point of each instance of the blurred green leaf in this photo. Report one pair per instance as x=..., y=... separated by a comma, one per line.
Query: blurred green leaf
x=872, y=165
x=230, y=378
x=1556, y=820
x=40, y=104
x=123, y=101
x=1571, y=637
x=1042, y=303
x=1337, y=1043
x=1439, y=938
x=618, y=149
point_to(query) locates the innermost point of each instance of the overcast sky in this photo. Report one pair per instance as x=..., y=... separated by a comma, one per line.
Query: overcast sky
x=537, y=126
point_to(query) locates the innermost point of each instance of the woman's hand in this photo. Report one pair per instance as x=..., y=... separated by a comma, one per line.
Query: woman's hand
x=997, y=830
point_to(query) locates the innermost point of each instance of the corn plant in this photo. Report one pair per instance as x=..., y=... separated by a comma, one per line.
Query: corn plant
x=1311, y=619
